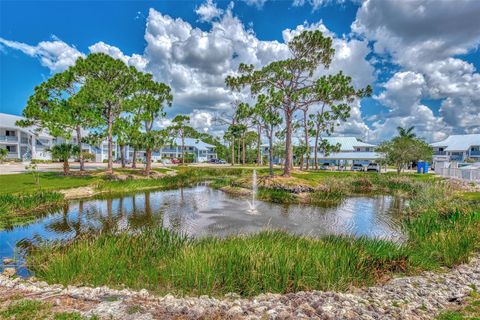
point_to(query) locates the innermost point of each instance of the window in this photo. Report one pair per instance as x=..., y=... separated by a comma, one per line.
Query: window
x=10, y=133
x=12, y=149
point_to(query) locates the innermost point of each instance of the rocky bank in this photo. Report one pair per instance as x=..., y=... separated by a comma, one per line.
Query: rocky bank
x=418, y=297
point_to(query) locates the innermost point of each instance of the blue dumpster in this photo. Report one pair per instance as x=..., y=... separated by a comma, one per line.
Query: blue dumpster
x=422, y=167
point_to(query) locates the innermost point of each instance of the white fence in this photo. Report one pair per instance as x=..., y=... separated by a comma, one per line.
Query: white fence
x=464, y=174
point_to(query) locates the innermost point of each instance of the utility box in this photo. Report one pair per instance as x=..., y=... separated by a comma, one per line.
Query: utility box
x=422, y=167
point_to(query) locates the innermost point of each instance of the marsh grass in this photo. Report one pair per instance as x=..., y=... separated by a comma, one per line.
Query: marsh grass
x=18, y=209
x=272, y=261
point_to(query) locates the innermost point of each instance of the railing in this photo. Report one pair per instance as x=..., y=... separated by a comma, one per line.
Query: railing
x=8, y=138
x=475, y=153
x=12, y=155
x=463, y=174
x=440, y=153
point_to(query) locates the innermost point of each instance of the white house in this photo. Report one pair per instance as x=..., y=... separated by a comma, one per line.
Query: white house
x=351, y=151
x=457, y=148
x=201, y=151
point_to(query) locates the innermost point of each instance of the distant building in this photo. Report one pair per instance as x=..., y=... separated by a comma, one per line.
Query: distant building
x=457, y=148
x=25, y=144
x=200, y=150
x=351, y=151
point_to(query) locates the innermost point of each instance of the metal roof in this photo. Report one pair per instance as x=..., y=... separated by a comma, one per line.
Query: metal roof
x=350, y=156
x=461, y=142
x=190, y=142
x=8, y=121
x=346, y=143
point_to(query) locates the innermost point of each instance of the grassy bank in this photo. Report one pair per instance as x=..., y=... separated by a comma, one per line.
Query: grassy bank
x=26, y=309
x=23, y=208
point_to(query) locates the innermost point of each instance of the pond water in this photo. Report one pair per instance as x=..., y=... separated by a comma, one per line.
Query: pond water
x=201, y=211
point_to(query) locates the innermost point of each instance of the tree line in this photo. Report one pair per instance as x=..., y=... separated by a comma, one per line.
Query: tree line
x=109, y=100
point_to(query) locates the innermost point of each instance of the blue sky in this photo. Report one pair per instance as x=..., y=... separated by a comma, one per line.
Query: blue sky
x=390, y=66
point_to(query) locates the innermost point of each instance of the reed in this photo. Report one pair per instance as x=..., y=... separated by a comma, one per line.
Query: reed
x=18, y=209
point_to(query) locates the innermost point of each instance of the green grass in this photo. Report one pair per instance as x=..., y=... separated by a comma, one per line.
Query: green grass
x=27, y=309
x=470, y=196
x=470, y=310
x=165, y=262
x=49, y=181
x=19, y=209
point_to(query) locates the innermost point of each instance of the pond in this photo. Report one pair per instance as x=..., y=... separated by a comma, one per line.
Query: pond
x=202, y=211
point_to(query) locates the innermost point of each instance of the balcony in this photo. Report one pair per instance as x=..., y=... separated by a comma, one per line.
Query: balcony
x=439, y=153
x=475, y=153
x=8, y=139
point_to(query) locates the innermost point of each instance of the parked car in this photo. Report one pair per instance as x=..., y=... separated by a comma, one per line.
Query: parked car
x=217, y=161
x=327, y=166
x=373, y=167
x=358, y=167
x=175, y=161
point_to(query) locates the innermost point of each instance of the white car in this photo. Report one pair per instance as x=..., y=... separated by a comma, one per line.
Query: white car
x=358, y=167
x=373, y=167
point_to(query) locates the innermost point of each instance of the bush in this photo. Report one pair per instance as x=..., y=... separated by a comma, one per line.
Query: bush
x=39, y=161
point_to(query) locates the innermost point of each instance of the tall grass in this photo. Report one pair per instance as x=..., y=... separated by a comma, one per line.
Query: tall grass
x=162, y=261
x=17, y=209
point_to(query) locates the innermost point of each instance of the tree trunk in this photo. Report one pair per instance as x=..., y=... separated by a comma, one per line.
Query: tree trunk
x=183, y=149
x=134, y=158
x=317, y=133
x=238, y=151
x=122, y=155
x=233, y=151
x=307, y=143
x=79, y=143
x=270, y=153
x=259, y=141
x=288, y=166
x=66, y=167
x=110, y=143
x=243, y=149
x=148, y=161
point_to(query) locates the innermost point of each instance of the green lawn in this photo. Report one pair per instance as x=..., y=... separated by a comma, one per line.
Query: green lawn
x=25, y=182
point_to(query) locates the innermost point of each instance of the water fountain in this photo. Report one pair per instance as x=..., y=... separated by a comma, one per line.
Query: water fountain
x=252, y=206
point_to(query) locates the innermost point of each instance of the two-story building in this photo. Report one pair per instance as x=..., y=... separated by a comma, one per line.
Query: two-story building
x=457, y=148
x=200, y=150
x=351, y=151
x=25, y=144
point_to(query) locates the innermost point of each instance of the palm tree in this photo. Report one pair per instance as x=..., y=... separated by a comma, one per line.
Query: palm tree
x=63, y=152
x=406, y=133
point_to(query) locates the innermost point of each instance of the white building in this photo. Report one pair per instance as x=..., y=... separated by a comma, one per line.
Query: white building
x=29, y=143
x=351, y=151
x=201, y=151
x=23, y=143
x=457, y=148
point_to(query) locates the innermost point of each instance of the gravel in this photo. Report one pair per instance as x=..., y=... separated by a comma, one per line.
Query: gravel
x=417, y=297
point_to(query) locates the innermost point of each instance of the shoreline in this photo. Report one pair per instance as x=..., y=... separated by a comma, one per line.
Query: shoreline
x=416, y=297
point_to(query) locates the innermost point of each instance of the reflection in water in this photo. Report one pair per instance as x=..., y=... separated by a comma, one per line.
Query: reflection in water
x=201, y=211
